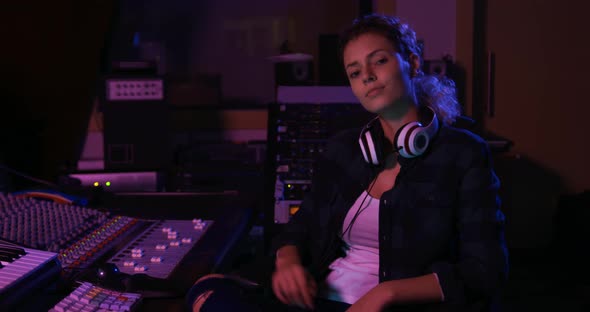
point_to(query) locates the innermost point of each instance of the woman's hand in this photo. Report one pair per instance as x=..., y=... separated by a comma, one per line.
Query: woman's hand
x=291, y=283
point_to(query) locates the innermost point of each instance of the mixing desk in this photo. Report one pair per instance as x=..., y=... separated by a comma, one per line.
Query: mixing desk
x=44, y=238
x=159, y=249
x=45, y=225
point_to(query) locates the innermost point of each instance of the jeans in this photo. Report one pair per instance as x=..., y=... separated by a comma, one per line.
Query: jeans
x=230, y=295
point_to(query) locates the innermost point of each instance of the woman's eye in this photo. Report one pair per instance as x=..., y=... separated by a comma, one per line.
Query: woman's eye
x=382, y=61
x=354, y=74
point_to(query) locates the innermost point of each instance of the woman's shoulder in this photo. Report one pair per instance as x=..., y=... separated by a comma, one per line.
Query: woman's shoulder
x=461, y=146
x=459, y=136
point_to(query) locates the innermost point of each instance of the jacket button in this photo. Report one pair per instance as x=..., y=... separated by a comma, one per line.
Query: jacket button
x=383, y=273
x=385, y=201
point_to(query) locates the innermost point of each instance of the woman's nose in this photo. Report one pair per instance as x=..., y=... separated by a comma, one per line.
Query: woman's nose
x=369, y=76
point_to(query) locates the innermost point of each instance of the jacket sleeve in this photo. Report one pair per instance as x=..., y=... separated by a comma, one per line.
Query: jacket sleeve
x=481, y=264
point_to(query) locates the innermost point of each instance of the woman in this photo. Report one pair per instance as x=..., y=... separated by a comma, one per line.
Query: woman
x=400, y=214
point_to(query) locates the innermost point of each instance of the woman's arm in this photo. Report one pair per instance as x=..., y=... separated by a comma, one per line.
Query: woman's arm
x=481, y=264
x=291, y=283
x=421, y=289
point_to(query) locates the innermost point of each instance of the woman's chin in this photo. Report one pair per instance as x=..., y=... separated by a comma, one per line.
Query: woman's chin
x=374, y=106
x=387, y=108
x=377, y=109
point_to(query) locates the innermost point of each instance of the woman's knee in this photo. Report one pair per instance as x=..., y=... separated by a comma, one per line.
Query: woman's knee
x=208, y=276
x=218, y=292
x=202, y=289
x=198, y=303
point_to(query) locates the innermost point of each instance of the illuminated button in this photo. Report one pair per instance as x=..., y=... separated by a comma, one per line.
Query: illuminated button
x=76, y=295
x=129, y=263
x=199, y=226
x=137, y=253
x=140, y=268
x=156, y=259
x=172, y=235
x=187, y=240
x=161, y=247
x=174, y=243
x=166, y=229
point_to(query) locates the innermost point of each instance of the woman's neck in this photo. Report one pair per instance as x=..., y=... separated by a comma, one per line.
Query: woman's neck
x=391, y=124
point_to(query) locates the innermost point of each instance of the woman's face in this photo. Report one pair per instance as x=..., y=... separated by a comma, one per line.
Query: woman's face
x=378, y=75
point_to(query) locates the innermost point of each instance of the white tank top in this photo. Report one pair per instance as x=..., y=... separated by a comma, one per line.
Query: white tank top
x=357, y=272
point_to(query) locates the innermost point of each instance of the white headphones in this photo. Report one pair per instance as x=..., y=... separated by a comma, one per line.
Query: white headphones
x=411, y=140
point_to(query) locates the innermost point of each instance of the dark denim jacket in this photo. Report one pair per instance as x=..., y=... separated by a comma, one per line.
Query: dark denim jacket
x=441, y=216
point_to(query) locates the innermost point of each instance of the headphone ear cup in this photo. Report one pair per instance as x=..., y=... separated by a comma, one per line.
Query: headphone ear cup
x=402, y=139
x=418, y=141
x=363, y=146
x=412, y=139
x=370, y=147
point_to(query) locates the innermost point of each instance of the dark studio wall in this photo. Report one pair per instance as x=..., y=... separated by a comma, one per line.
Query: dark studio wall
x=50, y=58
x=229, y=39
x=235, y=38
x=540, y=104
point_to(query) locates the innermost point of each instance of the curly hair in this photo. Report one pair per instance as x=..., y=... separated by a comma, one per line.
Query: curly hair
x=439, y=93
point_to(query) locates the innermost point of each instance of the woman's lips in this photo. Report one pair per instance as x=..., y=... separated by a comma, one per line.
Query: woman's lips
x=374, y=92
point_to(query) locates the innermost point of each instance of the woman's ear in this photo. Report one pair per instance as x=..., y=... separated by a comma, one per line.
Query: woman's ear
x=414, y=61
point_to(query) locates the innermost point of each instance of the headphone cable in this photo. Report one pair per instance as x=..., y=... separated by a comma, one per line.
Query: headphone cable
x=359, y=210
